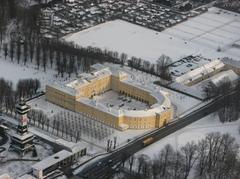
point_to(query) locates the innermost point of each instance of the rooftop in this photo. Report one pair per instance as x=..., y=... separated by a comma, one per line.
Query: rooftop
x=98, y=71
x=187, y=64
x=229, y=75
x=201, y=71
x=51, y=160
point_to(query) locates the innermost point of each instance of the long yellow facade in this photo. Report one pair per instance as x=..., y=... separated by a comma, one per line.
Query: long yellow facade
x=151, y=118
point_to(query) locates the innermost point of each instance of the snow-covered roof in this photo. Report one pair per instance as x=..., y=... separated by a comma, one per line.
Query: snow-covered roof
x=199, y=72
x=22, y=137
x=100, y=71
x=232, y=62
x=25, y=176
x=51, y=160
x=98, y=66
x=229, y=75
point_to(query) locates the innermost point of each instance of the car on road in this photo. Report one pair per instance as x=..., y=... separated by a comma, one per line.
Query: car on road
x=110, y=161
x=99, y=164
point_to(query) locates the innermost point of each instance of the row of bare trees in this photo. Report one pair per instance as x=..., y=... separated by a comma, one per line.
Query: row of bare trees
x=230, y=109
x=9, y=97
x=215, y=156
x=8, y=10
x=68, y=58
x=26, y=88
x=160, y=68
x=69, y=125
x=20, y=15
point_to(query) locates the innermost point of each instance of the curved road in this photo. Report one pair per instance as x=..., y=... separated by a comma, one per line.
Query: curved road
x=104, y=167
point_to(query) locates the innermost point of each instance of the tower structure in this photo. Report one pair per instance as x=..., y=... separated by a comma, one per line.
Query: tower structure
x=22, y=140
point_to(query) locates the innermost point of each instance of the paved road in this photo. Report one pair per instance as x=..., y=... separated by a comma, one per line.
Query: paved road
x=104, y=167
x=3, y=140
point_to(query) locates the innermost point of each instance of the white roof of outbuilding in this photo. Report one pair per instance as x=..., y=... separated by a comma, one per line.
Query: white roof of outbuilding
x=51, y=160
x=229, y=75
x=199, y=72
x=26, y=176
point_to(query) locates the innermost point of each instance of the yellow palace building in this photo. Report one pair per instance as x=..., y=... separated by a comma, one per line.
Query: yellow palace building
x=113, y=98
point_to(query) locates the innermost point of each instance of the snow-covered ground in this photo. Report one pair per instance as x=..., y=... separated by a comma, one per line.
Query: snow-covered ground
x=122, y=137
x=13, y=72
x=122, y=36
x=18, y=168
x=203, y=34
x=194, y=132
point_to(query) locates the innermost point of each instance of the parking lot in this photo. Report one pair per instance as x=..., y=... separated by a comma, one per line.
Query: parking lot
x=187, y=64
x=61, y=19
x=117, y=101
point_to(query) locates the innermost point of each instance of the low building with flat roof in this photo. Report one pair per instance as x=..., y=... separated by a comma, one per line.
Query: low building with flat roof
x=56, y=161
x=201, y=73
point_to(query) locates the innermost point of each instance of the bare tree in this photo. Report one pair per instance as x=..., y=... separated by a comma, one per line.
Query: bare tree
x=130, y=162
x=5, y=48
x=19, y=50
x=163, y=67
x=189, y=152
x=12, y=49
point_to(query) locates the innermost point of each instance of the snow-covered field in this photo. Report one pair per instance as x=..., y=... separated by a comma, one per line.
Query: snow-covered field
x=215, y=29
x=202, y=34
x=194, y=132
x=13, y=72
x=122, y=36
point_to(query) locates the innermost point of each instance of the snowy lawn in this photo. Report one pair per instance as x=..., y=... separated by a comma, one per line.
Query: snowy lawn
x=122, y=36
x=194, y=132
x=13, y=72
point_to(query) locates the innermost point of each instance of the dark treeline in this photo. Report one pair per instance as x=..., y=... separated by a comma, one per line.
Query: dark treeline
x=68, y=58
x=7, y=11
x=8, y=96
x=22, y=18
x=215, y=156
x=230, y=110
x=28, y=87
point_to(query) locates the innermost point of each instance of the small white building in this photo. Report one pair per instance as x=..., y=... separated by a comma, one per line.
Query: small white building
x=201, y=73
x=26, y=176
x=51, y=163
x=57, y=161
